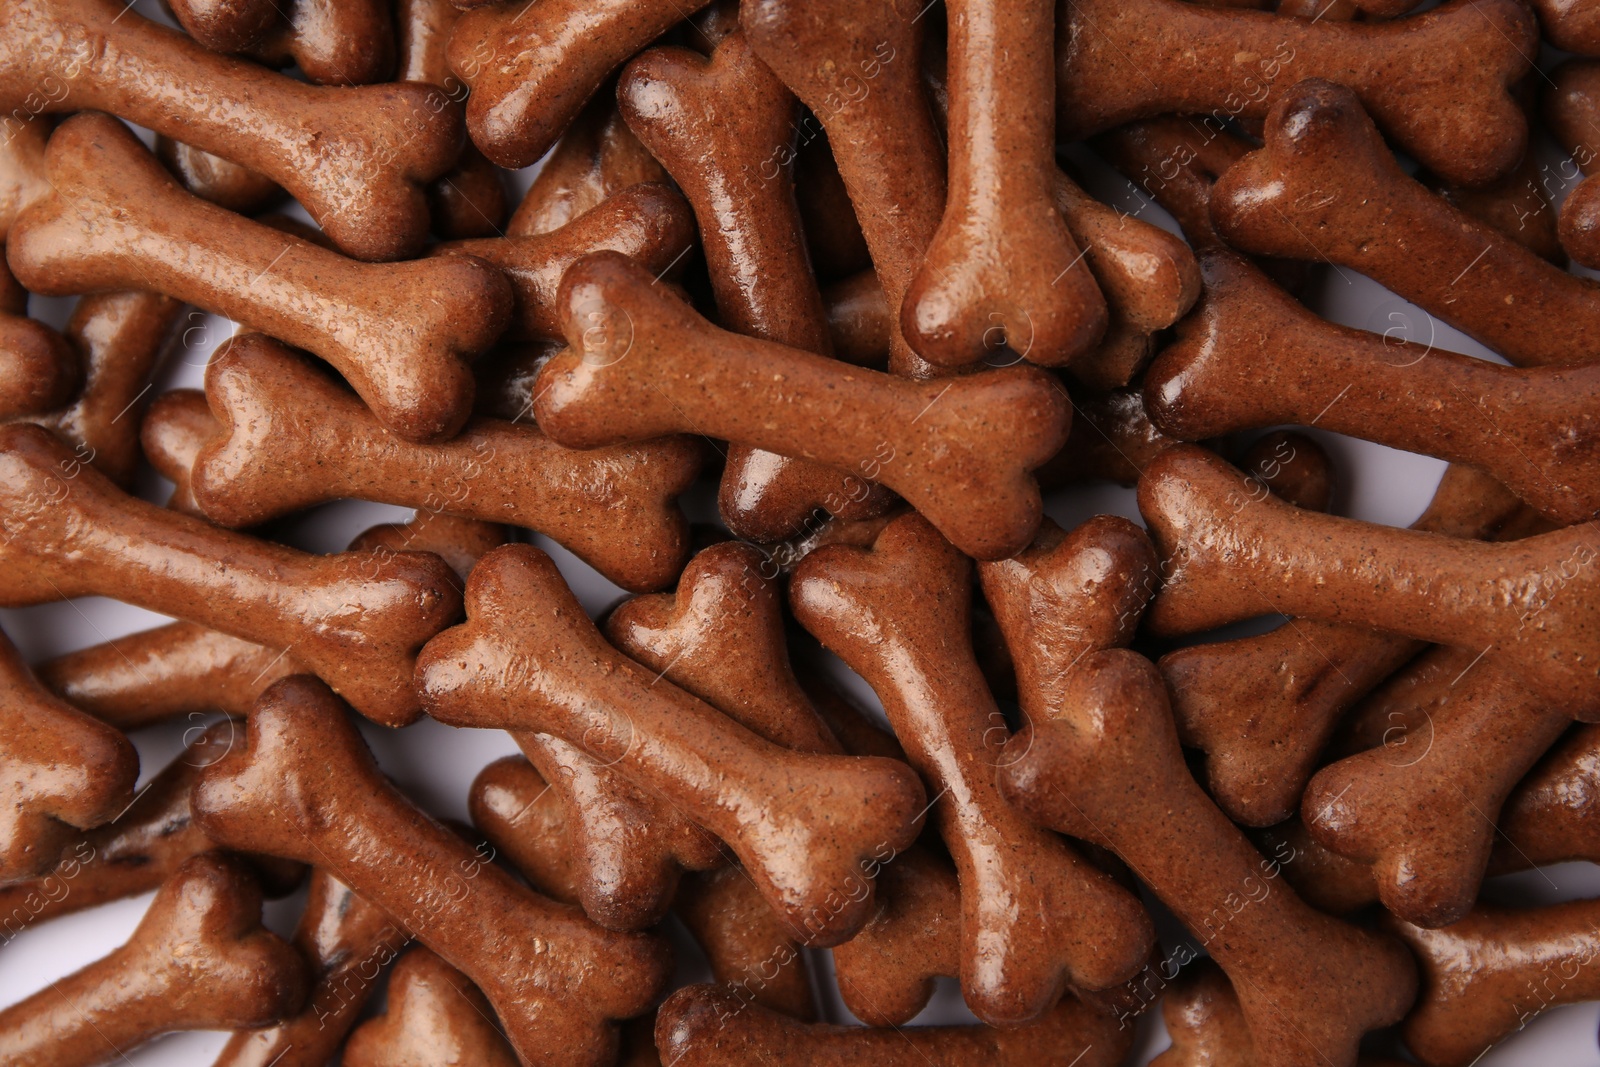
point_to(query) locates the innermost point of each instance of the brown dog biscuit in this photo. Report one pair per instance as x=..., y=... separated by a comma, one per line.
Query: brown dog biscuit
x=62, y=772
x=532, y=70
x=1570, y=107
x=597, y=157
x=333, y=42
x=671, y=743
x=303, y=784
x=1002, y=268
x=1489, y=974
x=614, y=507
x=1102, y=762
x=1251, y=356
x=225, y=25
x=22, y=170
x=739, y=185
x=1570, y=25
x=434, y=1017
x=642, y=363
x=217, y=180
x=1421, y=806
x=1112, y=438
x=647, y=222
x=870, y=99
x=359, y=177
x=354, y=618
x=400, y=333
x=200, y=960
x=859, y=325
x=1550, y=816
x=38, y=368
x=347, y=943
x=1437, y=83
x=470, y=200
x=1326, y=187
x=119, y=338
x=1294, y=466
x=706, y=1026
x=1525, y=602
x=833, y=234
x=752, y=951
x=144, y=844
x=1262, y=708
x=1035, y=914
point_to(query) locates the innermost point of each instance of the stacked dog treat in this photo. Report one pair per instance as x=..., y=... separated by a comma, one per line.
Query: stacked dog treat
x=822, y=253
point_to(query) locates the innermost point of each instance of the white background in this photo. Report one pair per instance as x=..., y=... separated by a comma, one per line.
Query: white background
x=435, y=764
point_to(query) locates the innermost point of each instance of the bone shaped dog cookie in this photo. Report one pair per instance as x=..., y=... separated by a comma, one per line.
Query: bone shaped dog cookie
x=641, y=363
x=1230, y=557
x=398, y=332
x=1437, y=82
x=1102, y=761
x=1423, y=812
x=303, y=784
x=579, y=688
x=434, y=1015
x=897, y=614
x=1550, y=816
x=1326, y=187
x=1252, y=356
x=355, y=158
x=867, y=93
x=200, y=960
x=62, y=772
x=740, y=186
x=346, y=942
x=707, y=1026
x=145, y=843
x=647, y=222
x=614, y=507
x=1487, y=975
x=1262, y=708
x=1001, y=264
x=531, y=70
x=470, y=200
x=355, y=619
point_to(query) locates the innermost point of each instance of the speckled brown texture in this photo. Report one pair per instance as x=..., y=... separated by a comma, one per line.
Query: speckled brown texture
x=1101, y=761
x=1112, y=438
x=1437, y=83
x=614, y=507
x=1571, y=105
x=303, y=784
x=857, y=65
x=1421, y=806
x=706, y=1026
x=532, y=69
x=1324, y=879
x=752, y=951
x=720, y=636
x=224, y=25
x=22, y=171
x=1294, y=466
x=806, y=857
x=1551, y=817
x=1251, y=356
x=526, y=821
x=647, y=222
x=400, y=333
x=434, y=1017
x=725, y=129
x=359, y=176
x=184, y=669
x=1035, y=914
x=597, y=157
x=38, y=368
x=62, y=772
x=1002, y=268
x=886, y=972
x=212, y=178
x=1207, y=1027
x=1570, y=25
x=346, y=942
x=1263, y=707
x=355, y=619
x=144, y=843
x=470, y=200
x=1227, y=558
x=1487, y=975
x=643, y=364
x=859, y=325
x=1326, y=187
x=333, y=42
x=199, y=960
